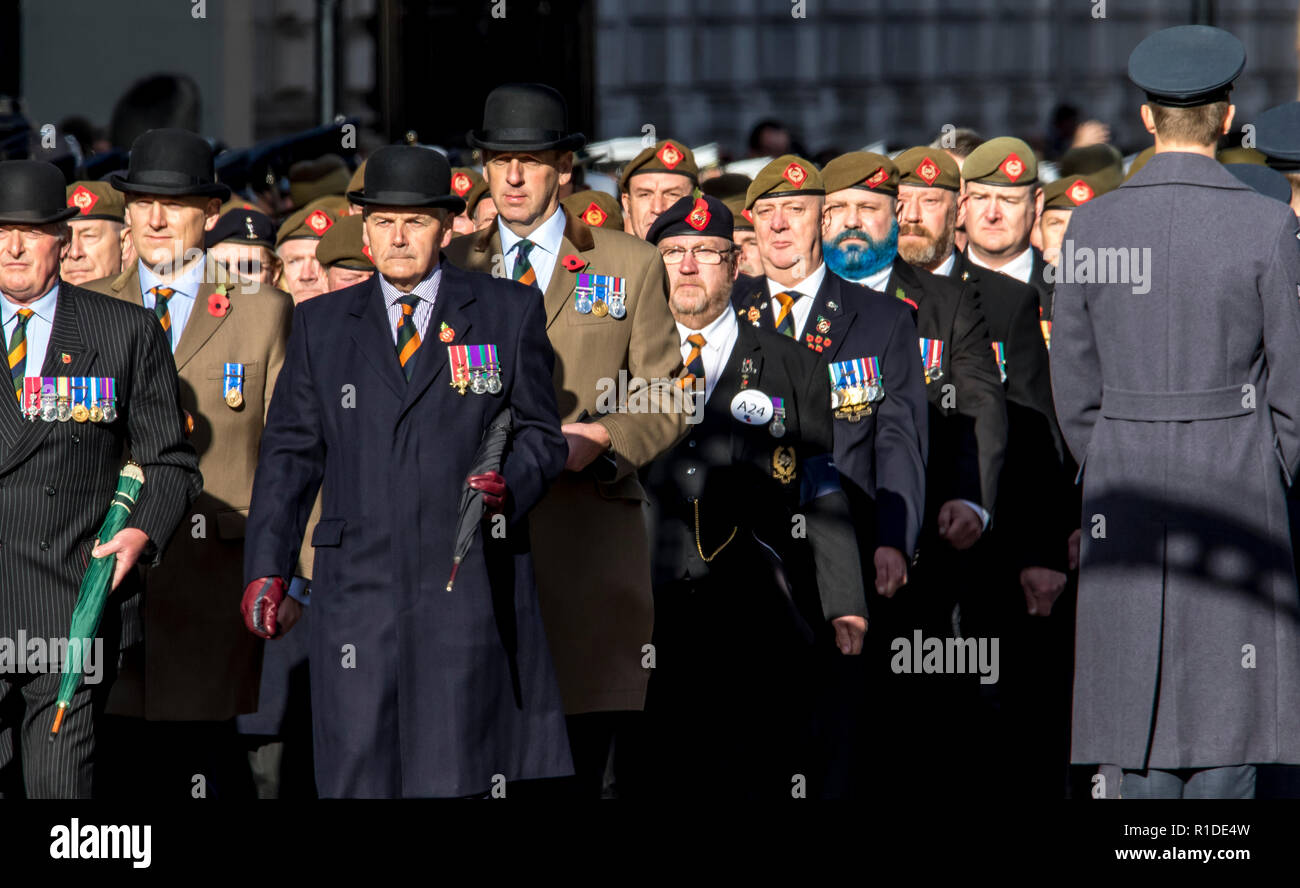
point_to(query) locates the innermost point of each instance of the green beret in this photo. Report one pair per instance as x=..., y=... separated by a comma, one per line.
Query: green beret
x=96, y=200
x=1103, y=161
x=1140, y=161
x=927, y=167
x=1241, y=155
x=596, y=208
x=785, y=176
x=310, y=179
x=861, y=169
x=342, y=246
x=312, y=220
x=665, y=156
x=464, y=180
x=743, y=219
x=1001, y=161
x=1069, y=192
x=726, y=186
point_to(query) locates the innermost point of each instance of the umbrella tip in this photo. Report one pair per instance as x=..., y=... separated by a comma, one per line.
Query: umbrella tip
x=58, y=720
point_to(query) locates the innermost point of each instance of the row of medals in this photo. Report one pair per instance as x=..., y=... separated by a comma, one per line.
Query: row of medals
x=64, y=410
x=854, y=401
x=616, y=307
x=481, y=381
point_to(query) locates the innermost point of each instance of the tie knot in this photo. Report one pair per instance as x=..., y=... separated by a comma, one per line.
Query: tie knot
x=409, y=302
x=163, y=293
x=696, y=340
x=24, y=314
x=524, y=246
x=784, y=298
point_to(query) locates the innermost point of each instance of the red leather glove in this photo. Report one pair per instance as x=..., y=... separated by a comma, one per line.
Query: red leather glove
x=493, y=488
x=261, y=604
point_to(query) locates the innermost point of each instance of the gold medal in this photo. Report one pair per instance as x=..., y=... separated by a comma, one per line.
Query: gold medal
x=96, y=415
x=600, y=309
x=80, y=413
x=234, y=398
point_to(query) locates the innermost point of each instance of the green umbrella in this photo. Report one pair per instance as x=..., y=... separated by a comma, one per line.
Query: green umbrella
x=94, y=589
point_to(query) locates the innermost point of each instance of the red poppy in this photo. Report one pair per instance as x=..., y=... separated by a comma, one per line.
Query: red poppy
x=218, y=304
x=572, y=262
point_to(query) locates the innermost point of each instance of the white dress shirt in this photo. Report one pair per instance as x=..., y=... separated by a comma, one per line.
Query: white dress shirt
x=546, y=239
x=719, y=339
x=1019, y=268
x=426, y=289
x=181, y=304
x=945, y=270
x=807, y=290
x=37, y=334
x=879, y=280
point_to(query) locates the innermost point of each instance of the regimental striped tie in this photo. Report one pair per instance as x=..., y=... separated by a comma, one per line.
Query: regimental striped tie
x=408, y=337
x=785, y=320
x=694, y=361
x=161, y=296
x=523, y=268
x=18, y=351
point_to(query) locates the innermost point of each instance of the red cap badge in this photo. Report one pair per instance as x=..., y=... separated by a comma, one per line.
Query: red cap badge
x=365, y=251
x=669, y=155
x=1013, y=166
x=83, y=199
x=748, y=215
x=1080, y=192
x=700, y=215
x=594, y=215
x=795, y=175
x=876, y=178
x=318, y=221
x=461, y=184
x=928, y=170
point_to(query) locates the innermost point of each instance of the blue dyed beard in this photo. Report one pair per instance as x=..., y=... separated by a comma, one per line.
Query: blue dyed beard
x=856, y=262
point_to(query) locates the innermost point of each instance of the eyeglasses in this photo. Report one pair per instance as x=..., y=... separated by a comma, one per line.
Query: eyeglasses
x=702, y=255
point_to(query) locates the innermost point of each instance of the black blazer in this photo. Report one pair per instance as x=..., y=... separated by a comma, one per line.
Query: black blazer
x=57, y=478
x=881, y=458
x=740, y=477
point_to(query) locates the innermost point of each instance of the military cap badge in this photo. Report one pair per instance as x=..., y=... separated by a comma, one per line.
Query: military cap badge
x=699, y=215
x=461, y=184
x=748, y=216
x=928, y=170
x=880, y=175
x=670, y=155
x=1080, y=192
x=594, y=215
x=795, y=175
x=1013, y=166
x=83, y=199
x=318, y=221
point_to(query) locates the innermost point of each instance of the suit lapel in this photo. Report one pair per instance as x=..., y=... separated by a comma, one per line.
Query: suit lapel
x=454, y=295
x=746, y=347
x=576, y=241
x=374, y=338
x=202, y=323
x=829, y=304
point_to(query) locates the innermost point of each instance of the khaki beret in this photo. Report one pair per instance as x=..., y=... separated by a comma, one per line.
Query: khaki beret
x=927, y=167
x=861, y=169
x=744, y=219
x=237, y=203
x=1072, y=191
x=727, y=186
x=786, y=175
x=464, y=180
x=312, y=221
x=1241, y=155
x=665, y=156
x=310, y=179
x=1140, y=161
x=96, y=200
x=1001, y=161
x=342, y=246
x=1101, y=161
x=358, y=180
x=596, y=208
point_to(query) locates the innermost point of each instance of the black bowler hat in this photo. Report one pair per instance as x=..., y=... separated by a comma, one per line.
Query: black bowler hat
x=1187, y=65
x=407, y=176
x=525, y=117
x=704, y=216
x=171, y=162
x=31, y=193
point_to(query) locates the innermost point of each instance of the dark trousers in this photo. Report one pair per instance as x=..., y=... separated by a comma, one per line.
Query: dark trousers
x=163, y=761
x=31, y=764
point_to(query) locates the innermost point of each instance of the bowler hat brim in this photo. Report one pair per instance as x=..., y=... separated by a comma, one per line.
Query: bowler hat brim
x=452, y=202
x=526, y=140
x=213, y=189
x=36, y=217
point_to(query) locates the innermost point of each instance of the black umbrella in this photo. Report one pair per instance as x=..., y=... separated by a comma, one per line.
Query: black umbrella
x=488, y=459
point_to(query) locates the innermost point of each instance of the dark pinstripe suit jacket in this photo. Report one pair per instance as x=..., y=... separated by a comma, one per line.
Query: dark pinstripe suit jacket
x=57, y=478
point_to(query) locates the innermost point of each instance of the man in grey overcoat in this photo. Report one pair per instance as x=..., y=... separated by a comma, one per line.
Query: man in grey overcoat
x=1176, y=371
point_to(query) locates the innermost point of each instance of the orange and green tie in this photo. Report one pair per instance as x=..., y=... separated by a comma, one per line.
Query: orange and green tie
x=785, y=320
x=18, y=350
x=161, y=296
x=694, y=361
x=408, y=337
x=524, y=272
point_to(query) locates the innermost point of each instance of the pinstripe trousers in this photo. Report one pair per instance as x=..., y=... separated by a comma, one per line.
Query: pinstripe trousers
x=48, y=769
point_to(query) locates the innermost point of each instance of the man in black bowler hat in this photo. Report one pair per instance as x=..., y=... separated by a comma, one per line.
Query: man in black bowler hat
x=419, y=687
x=58, y=477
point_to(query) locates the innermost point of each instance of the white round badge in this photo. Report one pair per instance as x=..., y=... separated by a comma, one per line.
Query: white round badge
x=752, y=407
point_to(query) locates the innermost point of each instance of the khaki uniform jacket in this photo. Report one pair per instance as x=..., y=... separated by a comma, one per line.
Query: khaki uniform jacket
x=199, y=662
x=590, y=538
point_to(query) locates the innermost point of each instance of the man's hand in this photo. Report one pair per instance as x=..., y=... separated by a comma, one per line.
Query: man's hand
x=1074, y=548
x=126, y=544
x=587, y=440
x=261, y=605
x=289, y=612
x=848, y=634
x=891, y=571
x=1042, y=587
x=1090, y=132
x=959, y=524
x=493, y=488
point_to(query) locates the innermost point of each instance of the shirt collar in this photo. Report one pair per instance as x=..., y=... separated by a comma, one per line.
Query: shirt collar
x=547, y=236
x=43, y=308
x=806, y=287
x=877, y=280
x=714, y=334
x=946, y=268
x=186, y=285
x=426, y=289
x=1020, y=268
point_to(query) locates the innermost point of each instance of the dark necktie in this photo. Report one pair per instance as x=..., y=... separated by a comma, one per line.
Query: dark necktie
x=694, y=361
x=524, y=272
x=785, y=319
x=408, y=337
x=161, y=296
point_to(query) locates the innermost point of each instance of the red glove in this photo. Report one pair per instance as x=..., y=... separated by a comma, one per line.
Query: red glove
x=493, y=488
x=261, y=604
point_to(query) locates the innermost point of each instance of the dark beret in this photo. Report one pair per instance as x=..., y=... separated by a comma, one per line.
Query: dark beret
x=703, y=216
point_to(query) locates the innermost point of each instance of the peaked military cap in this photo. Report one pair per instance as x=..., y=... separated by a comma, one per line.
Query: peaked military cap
x=1187, y=66
x=1277, y=134
x=1268, y=182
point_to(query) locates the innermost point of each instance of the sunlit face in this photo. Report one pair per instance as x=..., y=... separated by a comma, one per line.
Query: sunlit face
x=525, y=185
x=303, y=275
x=789, y=235
x=927, y=222
x=699, y=290
x=168, y=231
x=94, y=252
x=858, y=225
x=648, y=195
x=1051, y=229
x=747, y=252
x=251, y=261
x=345, y=277
x=29, y=259
x=405, y=242
x=998, y=218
